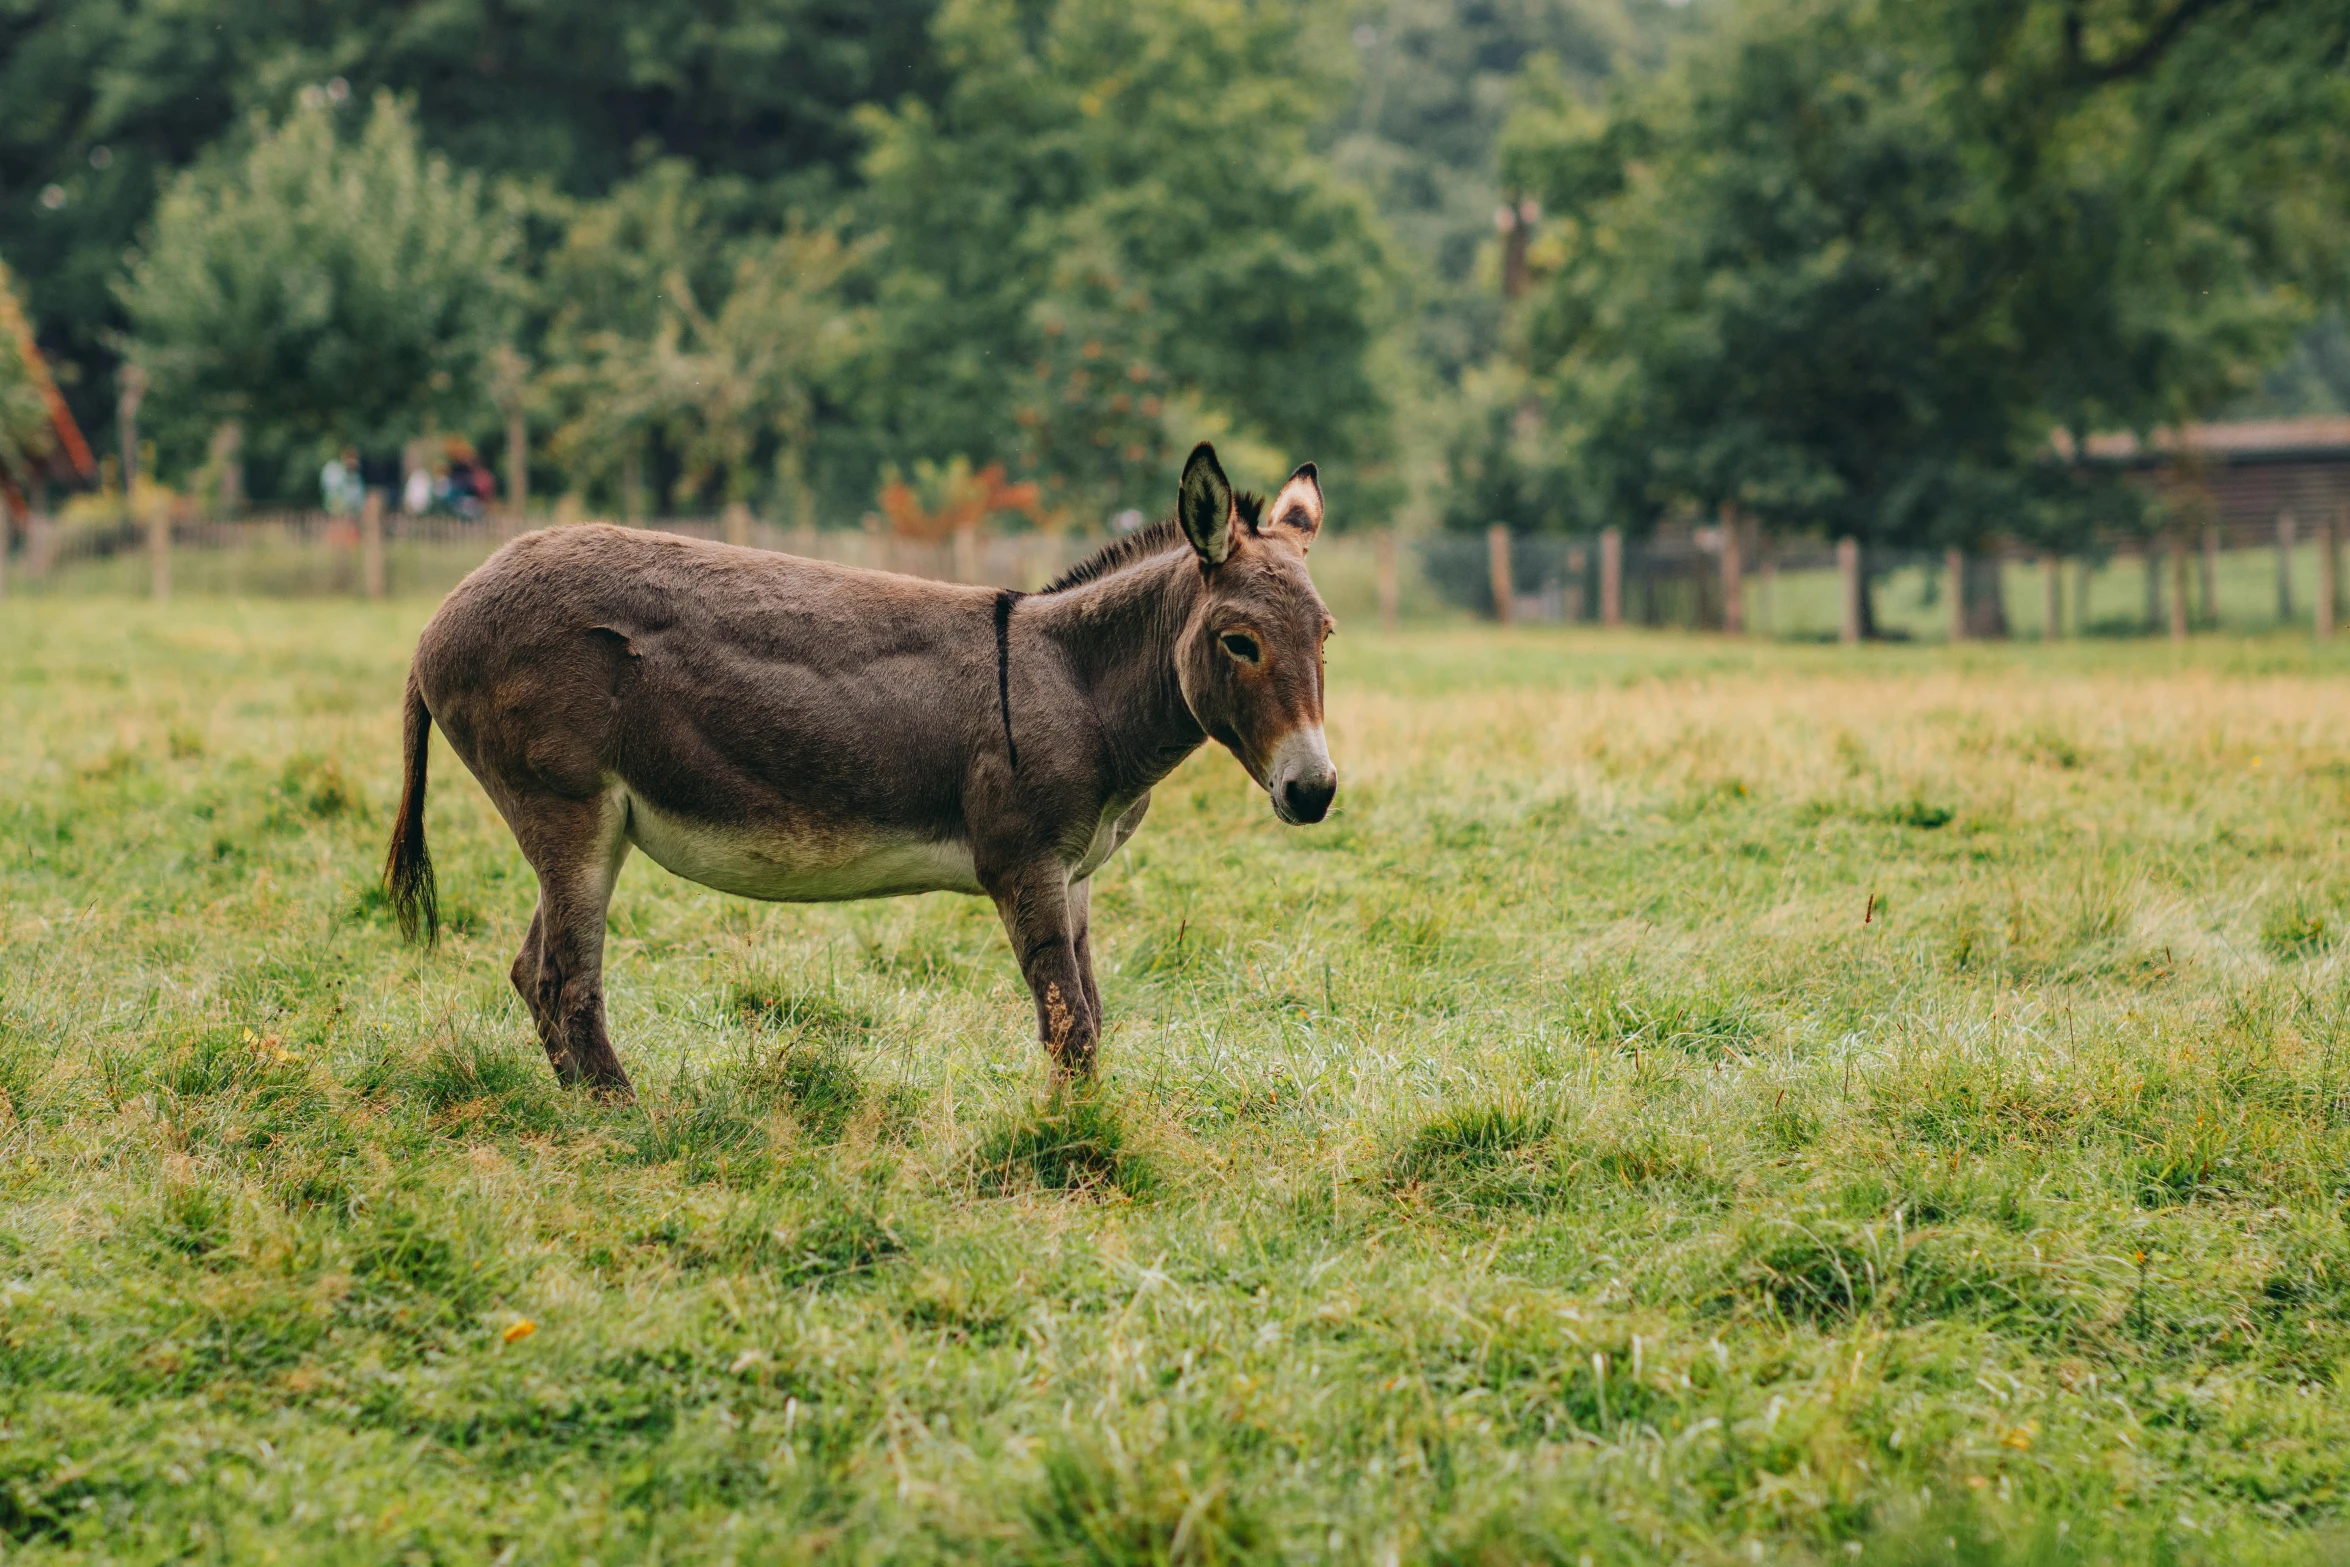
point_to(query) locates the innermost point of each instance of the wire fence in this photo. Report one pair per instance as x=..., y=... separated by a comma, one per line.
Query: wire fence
x=2235, y=579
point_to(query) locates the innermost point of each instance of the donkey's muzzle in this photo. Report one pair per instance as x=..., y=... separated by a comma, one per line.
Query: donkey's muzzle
x=1303, y=782
x=1308, y=800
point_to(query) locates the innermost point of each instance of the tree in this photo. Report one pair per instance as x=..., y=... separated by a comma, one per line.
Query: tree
x=108, y=100
x=673, y=343
x=1138, y=178
x=1849, y=264
x=1420, y=134
x=323, y=289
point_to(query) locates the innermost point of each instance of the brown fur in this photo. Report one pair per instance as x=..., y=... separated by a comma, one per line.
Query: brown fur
x=796, y=729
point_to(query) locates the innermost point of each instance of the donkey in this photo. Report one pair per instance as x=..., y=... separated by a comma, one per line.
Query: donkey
x=801, y=732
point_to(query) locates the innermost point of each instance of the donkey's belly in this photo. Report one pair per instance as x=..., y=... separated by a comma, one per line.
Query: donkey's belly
x=787, y=864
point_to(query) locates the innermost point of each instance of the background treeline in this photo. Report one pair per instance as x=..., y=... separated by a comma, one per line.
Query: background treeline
x=1548, y=263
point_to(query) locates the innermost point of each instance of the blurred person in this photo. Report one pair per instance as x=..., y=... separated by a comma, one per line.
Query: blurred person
x=416, y=495
x=340, y=488
x=465, y=482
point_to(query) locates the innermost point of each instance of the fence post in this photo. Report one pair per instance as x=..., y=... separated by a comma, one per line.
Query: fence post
x=1497, y=562
x=2177, y=551
x=2284, y=568
x=1848, y=579
x=1954, y=568
x=1611, y=577
x=2328, y=564
x=2052, y=589
x=1733, y=575
x=134, y=388
x=1390, y=594
x=517, y=465
x=1766, y=589
x=371, y=543
x=228, y=444
x=2210, y=572
x=738, y=524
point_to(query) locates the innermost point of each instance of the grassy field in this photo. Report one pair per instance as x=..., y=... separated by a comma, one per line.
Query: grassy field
x=1692, y=1102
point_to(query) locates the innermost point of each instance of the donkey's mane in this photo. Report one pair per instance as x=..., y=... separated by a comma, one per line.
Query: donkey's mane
x=1143, y=543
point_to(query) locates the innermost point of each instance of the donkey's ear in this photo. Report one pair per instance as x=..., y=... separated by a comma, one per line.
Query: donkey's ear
x=1204, y=508
x=1298, y=508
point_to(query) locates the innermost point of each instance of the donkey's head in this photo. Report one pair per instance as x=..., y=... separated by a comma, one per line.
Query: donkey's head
x=1250, y=657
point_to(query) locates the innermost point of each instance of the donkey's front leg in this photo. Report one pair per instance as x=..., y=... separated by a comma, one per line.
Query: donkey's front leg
x=1081, y=928
x=1033, y=901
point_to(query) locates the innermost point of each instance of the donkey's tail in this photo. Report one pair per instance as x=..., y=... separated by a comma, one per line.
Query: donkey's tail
x=408, y=868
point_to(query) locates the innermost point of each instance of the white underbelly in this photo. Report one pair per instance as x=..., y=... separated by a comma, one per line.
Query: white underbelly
x=785, y=864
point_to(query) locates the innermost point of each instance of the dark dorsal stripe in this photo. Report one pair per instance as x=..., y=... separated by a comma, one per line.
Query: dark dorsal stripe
x=1162, y=535
x=1003, y=669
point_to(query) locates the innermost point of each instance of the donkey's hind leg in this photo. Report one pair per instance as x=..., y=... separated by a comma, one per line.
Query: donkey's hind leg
x=576, y=846
x=525, y=972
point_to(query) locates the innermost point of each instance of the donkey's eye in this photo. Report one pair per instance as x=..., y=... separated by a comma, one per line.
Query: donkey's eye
x=1240, y=647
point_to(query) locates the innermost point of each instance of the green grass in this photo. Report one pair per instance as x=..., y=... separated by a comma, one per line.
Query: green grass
x=1692, y=1102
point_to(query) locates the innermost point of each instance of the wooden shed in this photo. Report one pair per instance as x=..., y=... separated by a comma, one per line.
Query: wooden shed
x=2243, y=475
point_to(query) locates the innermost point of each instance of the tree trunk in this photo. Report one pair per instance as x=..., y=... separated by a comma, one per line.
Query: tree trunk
x=1611, y=577
x=1497, y=564
x=1854, y=593
x=1389, y=592
x=1984, y=596
x=371, y=544
x=1733, y=575
x=2284, y=568
x=2176, y=549
x=2328, y=563
x=1517, y=224
x=517, y=465
x=228, y=442
x=2210, y=578
x=134, y=389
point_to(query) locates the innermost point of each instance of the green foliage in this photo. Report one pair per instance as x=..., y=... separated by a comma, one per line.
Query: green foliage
x=1848, y=264
x=324, y=288
x=1112, y=201
x=654, y=338
x=110, y=101
x=1433, y=93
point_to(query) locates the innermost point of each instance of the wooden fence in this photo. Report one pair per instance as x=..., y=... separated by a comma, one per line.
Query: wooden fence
x=2240, y=576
